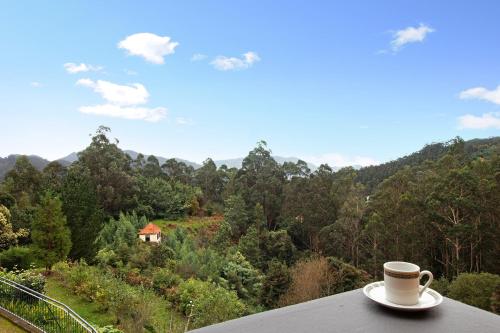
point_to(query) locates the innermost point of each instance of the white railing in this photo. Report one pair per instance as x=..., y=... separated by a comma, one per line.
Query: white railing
x=39, y=310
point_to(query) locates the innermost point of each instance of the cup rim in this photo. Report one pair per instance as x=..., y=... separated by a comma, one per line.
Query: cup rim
x=413, y=268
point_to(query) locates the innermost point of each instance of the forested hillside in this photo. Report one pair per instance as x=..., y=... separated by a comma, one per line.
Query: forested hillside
x=371, y=176
x=7, y=163
x=242, y=240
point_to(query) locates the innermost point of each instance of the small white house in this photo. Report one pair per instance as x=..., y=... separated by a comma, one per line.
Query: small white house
x=150, y=233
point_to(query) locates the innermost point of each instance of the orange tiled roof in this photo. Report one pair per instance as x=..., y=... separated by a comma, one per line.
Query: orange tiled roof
x=149, y=229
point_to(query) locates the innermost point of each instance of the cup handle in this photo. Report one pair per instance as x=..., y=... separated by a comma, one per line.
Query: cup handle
x=431, y=277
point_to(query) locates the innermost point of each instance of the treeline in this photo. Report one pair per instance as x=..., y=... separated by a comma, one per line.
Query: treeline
x=439, y=209
x=288, y=234
x=373, y=175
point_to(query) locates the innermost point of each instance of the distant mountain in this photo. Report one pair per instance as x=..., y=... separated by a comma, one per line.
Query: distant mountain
x=370, y=176
x=230, y=163
x=237, y=162
x=67, y=160
x=133, y=154
x=7, y=163
x=161, y=159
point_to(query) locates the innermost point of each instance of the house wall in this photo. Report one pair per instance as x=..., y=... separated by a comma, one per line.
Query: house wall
x=154, y=238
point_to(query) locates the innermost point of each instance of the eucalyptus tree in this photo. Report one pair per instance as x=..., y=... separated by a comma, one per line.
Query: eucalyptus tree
x=111, y=171
x=23, y=182
x=210, y=180
x=178, y=171
x=260, y=181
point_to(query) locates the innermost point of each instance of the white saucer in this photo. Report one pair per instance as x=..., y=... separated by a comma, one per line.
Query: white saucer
x=376, y=291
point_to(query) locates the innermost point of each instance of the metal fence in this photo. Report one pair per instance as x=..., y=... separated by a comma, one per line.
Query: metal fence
x=40, y=311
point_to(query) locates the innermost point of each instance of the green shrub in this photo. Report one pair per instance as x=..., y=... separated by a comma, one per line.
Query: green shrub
x=131, y=306
x=239, y=275
x=495, y=300
x=441, y=285
x=61, y=268
x=213, y=208
x=17, y=256
x=7, y=200
x=160, y=254
x=207, y=303
x=475, y=289
x=28, y=278
x=347, y=277
x=107, y=257
x=141, y=255
x=276, y=283
x=164, y=280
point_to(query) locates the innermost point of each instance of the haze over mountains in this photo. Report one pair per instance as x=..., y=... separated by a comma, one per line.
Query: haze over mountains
x=370, y=175
x=7, y=163
x=230, y=163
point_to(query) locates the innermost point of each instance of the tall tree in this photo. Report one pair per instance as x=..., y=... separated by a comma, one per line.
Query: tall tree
x=161, y=198
x=23, y=182
x=260, y=180
x=110, y=169
x=343, y=238
x=236, y=215
x=52, y=177
x=50, y=234
x=309, y=205
x=209, y=179
x=178, y=171
x=84, y=215
x=152, y=167
x=299, y=169
x=275, y=284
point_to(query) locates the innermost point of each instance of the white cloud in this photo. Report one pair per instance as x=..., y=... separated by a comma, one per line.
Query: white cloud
x=123, y=101
x=410, y=35
x=151, y=47
x=133, y=94
x=130, y=72
x=73, y=68
x=36, y=84
x=338, y=160
x=492, y=96
x=224, y=63
x=183, y=121
x=130, y=112
x=251, y=57
x=487, y=120
x=198, y=57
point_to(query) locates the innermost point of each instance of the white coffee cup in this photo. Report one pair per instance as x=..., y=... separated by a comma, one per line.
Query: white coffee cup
x=402, y=282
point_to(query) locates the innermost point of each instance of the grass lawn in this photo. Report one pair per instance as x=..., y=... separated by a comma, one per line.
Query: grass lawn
x=192, y=224
x=7, y=326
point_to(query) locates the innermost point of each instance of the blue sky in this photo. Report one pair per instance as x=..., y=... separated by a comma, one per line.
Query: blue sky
x=337, y=82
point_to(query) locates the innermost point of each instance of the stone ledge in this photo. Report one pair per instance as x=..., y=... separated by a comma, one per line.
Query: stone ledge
x=19, y=322
x=353, y=312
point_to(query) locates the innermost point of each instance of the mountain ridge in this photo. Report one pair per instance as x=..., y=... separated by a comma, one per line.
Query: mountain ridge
x=230, y=163
x=8, y=162
x=369, y=175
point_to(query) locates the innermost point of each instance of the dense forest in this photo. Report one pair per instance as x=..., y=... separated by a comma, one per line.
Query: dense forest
x=240, y=241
